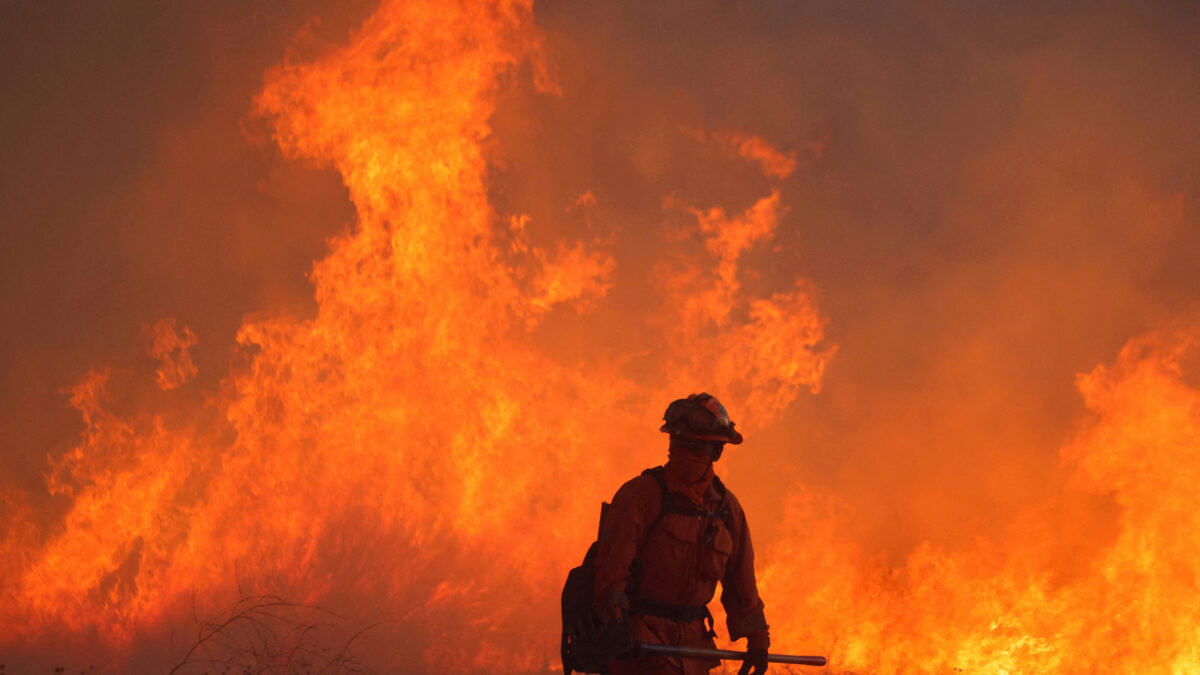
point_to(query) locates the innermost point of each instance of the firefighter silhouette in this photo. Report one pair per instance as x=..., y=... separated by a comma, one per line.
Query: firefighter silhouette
x=670, y=535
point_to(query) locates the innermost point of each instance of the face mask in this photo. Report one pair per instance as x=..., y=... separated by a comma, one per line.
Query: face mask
x=690, y=466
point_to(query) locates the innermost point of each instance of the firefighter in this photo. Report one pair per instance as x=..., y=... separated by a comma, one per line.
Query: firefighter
x=670, y=535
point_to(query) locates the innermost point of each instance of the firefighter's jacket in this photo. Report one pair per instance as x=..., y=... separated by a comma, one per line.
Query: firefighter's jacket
x=680, y=563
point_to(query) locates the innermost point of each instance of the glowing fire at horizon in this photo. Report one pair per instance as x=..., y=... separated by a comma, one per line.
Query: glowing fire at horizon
x=415, y=453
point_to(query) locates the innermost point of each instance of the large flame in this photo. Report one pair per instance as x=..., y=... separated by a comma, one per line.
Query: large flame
x=1004, y=605
x=424, y=457
x=411, y=447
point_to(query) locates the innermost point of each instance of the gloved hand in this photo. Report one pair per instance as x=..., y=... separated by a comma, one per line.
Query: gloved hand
x=755, y=663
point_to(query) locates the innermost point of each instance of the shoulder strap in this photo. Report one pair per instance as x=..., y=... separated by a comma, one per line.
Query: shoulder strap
x=657, y=473
x=668, y=505
x=720, y=488
x=723, y=511
x=636, y=566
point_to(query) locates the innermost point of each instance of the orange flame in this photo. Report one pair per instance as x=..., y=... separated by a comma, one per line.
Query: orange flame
x=1000, y=607
x=170, y=348
x=774, y=163
x=421, y=454
x=411, y=451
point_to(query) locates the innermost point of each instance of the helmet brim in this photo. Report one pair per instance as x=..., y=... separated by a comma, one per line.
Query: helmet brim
x=734, y=438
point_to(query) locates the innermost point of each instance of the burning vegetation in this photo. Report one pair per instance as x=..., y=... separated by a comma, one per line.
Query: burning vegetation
x=401, y=479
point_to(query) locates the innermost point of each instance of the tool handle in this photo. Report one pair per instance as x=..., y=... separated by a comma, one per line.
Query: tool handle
x=725, y=654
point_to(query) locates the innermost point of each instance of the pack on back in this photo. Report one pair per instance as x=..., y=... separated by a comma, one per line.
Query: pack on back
x=588, y=641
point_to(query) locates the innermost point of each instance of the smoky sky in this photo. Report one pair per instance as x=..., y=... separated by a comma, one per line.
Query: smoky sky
x=1003, y=195
x=135, y=186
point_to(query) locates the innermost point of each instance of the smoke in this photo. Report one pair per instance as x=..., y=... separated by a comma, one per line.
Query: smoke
x=983, y=203
x=1003, y=199
x=136, y=187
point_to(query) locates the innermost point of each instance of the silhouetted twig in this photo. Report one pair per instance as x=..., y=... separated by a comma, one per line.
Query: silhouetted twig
x=266, y=634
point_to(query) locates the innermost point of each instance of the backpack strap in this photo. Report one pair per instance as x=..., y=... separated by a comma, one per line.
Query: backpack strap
x=723, y=511
x=669, y=505
x=658, y=474
x=635, y=576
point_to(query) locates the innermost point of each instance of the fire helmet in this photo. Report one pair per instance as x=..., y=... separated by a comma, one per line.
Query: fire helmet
x=700, y=417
